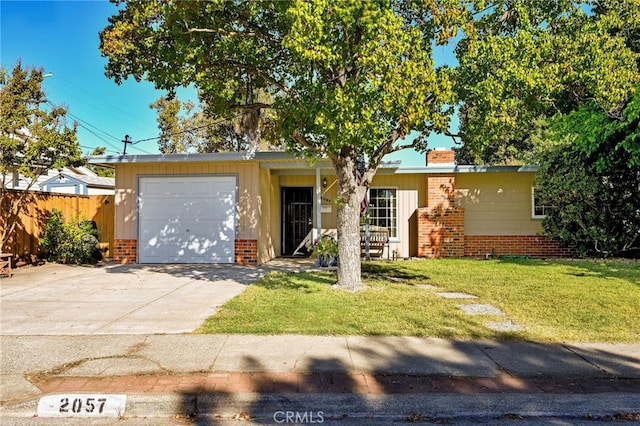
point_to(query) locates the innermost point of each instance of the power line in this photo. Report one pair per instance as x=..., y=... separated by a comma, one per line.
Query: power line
x=124, y=116
x=222, y=120
x=88, y=127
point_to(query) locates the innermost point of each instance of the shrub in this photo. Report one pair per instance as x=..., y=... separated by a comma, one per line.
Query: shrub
x=71, y=242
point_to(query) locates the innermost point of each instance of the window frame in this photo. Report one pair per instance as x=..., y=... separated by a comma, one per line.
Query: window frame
x=534, y=206
x=394, y=230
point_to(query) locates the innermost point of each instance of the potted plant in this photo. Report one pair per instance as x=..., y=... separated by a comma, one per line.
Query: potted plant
x=326, y=251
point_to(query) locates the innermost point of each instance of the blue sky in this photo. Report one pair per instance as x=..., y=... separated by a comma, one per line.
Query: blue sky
x=62, y=37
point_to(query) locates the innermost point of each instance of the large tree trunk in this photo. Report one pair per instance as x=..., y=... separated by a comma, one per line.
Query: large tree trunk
x=350, y=196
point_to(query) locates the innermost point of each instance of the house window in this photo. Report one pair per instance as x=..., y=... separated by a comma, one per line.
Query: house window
x=383, y=209
x=539, y=210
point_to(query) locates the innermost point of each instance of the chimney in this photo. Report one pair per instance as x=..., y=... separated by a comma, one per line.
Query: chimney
x=441, y=156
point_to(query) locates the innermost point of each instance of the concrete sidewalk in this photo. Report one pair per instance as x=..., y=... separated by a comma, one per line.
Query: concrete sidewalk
x=226, y=374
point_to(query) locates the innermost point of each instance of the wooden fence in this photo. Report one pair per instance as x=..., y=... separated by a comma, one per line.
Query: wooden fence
x=25, y=238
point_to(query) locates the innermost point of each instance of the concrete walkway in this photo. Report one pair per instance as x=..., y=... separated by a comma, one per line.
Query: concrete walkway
x=123, y=330
x=186, y=374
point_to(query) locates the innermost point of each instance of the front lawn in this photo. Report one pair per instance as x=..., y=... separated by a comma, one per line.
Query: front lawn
x=588, y=301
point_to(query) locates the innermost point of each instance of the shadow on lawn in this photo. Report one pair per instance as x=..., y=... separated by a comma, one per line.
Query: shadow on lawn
x=397, y=365
x=394, y=269
x=624, y=269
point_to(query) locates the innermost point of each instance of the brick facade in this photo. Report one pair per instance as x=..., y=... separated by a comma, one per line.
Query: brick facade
x=500, y=245
x=440, y=232
x=125, y=251
x=246, y=252
x=441, y=225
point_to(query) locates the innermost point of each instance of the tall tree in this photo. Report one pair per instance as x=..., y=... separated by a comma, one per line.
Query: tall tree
x=590, y=176
x=349, y=79
x=33, y=140
x=525, y=61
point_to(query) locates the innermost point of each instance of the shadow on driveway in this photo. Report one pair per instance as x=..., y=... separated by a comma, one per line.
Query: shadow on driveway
x=208, y=272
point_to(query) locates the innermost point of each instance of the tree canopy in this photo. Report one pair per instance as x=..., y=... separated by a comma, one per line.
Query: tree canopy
x=526, y=61
x=590, y=176
x=187, y=127
x=350, y=79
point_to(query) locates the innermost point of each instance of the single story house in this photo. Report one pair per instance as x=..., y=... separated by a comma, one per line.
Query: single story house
x=247, y=208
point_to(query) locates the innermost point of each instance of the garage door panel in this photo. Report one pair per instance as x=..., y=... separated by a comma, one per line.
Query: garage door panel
x=195, y=225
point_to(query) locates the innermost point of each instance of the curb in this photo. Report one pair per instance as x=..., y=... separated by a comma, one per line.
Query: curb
x=315, y=407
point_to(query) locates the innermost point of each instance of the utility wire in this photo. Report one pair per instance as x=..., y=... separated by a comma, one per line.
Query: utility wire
x=222, y=120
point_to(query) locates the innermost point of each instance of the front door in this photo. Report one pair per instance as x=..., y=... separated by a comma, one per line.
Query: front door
x=297, y=217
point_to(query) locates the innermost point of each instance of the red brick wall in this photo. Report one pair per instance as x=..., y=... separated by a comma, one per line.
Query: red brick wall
x=246, y=252
x=441, y=227
x=440, y=232
x=441, y=190
x=529, y=245
x=125, y=251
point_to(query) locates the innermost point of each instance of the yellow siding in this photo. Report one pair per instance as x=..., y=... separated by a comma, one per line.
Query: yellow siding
x=274, y=205
x=127, y=186
x=267, y=238
x=496, y=203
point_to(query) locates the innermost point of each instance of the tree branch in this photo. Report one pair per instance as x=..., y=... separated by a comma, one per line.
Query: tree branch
x=302, y=140
x=258, y=72
x=251, y=107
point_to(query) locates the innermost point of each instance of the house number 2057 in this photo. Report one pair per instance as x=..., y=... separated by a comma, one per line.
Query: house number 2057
x=76, y=406
x=82, y=405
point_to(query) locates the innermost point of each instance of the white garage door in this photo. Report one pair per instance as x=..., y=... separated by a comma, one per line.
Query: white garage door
x=187, y=219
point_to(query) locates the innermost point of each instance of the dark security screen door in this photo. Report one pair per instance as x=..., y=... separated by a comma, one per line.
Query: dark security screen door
x=297, y=217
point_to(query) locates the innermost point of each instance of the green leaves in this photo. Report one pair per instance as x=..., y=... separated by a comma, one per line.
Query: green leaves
x=527, y=61
x=34, y=138
x=343, y=73
x=591, y=176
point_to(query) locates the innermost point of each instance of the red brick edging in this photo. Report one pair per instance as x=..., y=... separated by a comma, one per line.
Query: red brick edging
x=356, y=383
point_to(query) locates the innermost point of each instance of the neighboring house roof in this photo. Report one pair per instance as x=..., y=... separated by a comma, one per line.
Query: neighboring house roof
x=90, y=181
x=46, y=182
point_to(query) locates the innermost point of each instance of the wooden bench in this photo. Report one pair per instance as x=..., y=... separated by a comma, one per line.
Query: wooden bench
x=378, y=240
x=5, y=264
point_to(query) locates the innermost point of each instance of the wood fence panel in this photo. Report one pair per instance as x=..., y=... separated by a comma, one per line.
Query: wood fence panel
x=25, y=238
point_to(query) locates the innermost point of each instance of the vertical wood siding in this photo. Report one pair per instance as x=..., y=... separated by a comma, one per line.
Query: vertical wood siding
x=25, y=239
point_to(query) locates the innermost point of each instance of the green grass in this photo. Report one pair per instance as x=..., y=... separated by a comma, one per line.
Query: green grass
x=554, y=300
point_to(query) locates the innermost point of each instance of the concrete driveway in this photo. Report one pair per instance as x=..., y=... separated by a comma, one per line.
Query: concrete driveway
x=117, y=299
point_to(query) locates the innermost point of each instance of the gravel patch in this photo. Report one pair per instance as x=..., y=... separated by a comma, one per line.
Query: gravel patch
x=504, y=326
x=455, y=295
x=426, y=286
x=480, y=309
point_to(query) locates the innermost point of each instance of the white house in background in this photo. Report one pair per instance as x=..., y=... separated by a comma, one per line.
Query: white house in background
x=69, y=180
